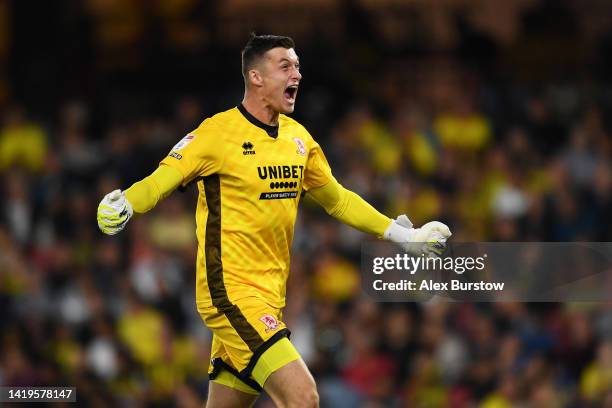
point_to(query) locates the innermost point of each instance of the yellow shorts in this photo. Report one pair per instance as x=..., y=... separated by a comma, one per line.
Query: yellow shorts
x=250, y=342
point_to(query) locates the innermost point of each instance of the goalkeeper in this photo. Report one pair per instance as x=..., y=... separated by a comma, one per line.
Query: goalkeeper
x=251, y=164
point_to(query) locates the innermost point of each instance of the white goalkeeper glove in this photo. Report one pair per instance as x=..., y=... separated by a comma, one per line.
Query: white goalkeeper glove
x=430, y=239
x=114, y=211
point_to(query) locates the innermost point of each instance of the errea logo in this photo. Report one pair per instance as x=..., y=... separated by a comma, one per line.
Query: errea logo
x=248, y=148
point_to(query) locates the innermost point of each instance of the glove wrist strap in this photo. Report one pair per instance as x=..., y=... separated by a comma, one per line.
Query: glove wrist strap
x=399, y=233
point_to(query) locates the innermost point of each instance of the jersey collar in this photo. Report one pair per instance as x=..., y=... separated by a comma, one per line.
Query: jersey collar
x=272, y=131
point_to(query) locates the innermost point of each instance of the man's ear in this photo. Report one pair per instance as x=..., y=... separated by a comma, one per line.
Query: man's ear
x=255, y=77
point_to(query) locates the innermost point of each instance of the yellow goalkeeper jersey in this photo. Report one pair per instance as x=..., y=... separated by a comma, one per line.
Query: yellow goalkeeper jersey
x=249, y=176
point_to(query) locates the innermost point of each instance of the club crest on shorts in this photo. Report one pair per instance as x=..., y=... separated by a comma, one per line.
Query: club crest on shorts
x=183, y=142
x=301, y=147
x=270, y=322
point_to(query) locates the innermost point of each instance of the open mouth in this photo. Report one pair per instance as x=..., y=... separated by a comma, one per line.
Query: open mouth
x=291, y=93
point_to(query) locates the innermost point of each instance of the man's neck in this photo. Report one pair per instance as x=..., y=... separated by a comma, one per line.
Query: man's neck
x=260, y=110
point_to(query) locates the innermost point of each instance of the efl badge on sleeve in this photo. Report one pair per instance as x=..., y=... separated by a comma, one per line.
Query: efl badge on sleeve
x=183, y=142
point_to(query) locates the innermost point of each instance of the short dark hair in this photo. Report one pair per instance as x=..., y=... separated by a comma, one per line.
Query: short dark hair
x=258, y=45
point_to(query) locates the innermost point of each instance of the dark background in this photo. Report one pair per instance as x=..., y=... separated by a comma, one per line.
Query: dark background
x=491, y=116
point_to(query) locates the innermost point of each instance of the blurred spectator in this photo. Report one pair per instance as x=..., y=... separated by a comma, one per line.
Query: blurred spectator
x=596, y=381
x=23, y=144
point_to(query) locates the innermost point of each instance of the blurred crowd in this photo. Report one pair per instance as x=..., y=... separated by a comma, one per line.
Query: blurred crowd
x=435, y=136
